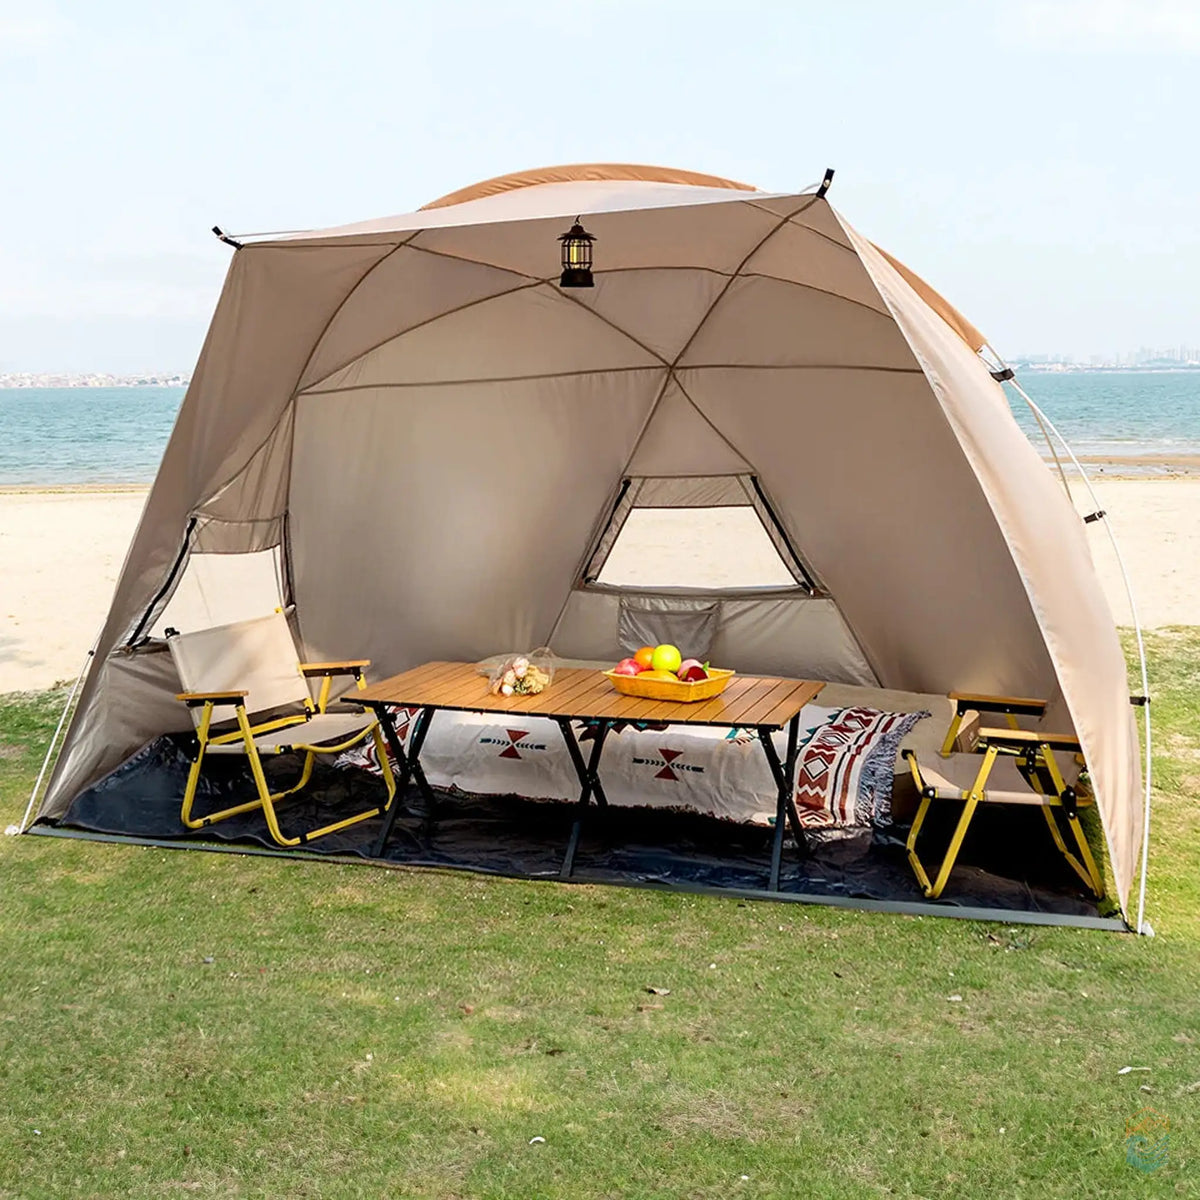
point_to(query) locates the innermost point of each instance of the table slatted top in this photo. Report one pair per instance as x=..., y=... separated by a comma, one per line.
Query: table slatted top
x=749, y=700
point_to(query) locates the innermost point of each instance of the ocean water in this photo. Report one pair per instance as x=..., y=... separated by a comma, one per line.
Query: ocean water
x=1115, y=413
x=55, y=436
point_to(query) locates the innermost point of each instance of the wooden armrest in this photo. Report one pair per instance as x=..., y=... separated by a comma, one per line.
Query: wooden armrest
x=191, y=699
x=1029, y=737
x=1026, y=706
x=346, y=666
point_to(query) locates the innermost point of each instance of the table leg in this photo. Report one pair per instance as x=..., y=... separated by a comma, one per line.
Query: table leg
x=589, y=784
x=784, y=775
x=409, y=767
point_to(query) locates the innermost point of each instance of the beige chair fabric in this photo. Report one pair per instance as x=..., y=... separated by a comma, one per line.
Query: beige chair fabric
x=257, y=656
x=953, y=776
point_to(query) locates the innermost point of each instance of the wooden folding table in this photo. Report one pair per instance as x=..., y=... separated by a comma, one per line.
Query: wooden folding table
x=762, y=704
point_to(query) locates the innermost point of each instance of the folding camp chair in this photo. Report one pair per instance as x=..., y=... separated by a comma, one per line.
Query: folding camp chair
x=252, y=667
x=1007, y=766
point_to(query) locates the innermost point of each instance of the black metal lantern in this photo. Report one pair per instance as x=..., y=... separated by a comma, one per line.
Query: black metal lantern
x=576, y=257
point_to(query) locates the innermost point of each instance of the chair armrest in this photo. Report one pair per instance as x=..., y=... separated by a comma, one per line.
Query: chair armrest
x=1019, y=706
x=192, y=699
x=348, y=666
x=1028, y=737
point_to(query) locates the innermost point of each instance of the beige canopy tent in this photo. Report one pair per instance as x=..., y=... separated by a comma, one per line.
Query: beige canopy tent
x=433, y=448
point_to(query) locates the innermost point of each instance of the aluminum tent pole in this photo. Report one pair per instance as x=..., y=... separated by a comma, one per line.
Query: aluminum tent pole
x=1141, y=926
x=62, y=720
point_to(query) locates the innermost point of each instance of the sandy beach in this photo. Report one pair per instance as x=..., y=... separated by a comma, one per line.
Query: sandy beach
x=61, y=551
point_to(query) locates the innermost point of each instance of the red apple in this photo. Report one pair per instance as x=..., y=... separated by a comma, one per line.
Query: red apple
x=693, y=674
x=688, y=662
x=628, y=666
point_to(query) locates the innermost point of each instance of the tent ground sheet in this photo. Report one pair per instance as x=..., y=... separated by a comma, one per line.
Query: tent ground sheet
x=1008, y=863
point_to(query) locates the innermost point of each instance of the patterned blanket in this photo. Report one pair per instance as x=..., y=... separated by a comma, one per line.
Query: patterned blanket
x=846, y=768
x=843, y=778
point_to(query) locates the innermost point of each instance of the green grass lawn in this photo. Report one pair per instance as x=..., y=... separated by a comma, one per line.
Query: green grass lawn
x=217, y=1025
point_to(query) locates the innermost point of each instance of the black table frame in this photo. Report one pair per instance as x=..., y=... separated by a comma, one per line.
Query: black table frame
x=783, y=771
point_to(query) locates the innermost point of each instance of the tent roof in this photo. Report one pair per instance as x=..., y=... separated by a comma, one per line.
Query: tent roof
x=575, y=189
x=580, y=172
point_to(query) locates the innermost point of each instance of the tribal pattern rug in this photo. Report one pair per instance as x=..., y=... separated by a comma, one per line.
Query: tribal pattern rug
x=846, y=769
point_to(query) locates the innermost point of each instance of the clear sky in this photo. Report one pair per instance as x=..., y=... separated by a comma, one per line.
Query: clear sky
x=1035, y=160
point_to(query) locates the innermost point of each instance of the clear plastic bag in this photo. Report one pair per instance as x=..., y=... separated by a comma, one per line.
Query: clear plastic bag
x=520, y=674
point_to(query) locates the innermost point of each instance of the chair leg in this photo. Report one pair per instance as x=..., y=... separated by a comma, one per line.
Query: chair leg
x=189, y=794
x=266, y=798
x=1087, y=869
x=972, y=798
x=385, y=765
x=1095, y=879
x=951, y=734
x=260, y=780
x=960, y=832
x=911, y=845
x=193, y=779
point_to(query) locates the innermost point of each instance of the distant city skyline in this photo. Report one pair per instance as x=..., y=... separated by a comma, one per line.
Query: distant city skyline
x=1144, y=356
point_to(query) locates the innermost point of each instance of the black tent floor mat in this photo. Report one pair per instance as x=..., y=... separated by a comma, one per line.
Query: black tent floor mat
x=1008, y=865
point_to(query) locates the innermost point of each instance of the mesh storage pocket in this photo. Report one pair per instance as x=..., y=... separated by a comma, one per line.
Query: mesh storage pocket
x=650, y=620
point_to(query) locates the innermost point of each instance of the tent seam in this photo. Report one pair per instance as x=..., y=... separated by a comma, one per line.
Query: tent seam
x=395, y=337
x=431, y=383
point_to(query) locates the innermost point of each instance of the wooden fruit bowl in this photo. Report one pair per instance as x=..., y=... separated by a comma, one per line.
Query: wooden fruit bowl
x=672, y=689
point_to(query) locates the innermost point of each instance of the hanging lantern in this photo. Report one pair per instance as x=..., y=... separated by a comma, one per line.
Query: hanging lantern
x=576, y=257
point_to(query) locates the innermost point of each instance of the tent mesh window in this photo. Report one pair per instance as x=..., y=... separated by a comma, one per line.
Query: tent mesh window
x=667, y=533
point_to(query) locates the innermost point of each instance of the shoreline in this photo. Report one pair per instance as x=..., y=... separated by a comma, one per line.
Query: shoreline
x=62, y=547
x=1114, y=467
x=72, y=489
x=1138, y=468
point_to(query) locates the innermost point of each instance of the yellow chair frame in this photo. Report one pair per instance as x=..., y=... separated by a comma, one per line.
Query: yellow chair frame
x=1034, y=753
x=246, y=732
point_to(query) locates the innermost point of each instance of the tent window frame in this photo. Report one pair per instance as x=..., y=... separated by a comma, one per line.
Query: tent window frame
x=143, y=635
x=752, y=495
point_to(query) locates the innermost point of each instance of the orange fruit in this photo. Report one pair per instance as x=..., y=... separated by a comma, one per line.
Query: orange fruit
x=643, y=657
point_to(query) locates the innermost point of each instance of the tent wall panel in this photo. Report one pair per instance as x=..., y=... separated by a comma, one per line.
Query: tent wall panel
x=796, y=253
x=530, y=332
x=132, y=700
x=662, y=306
x=679, y=441
x=1043, y=538
x=797, y=636
x=404, y=290
x=766, y=323
x=893, y=520
x=447, y=524
x=275, y=303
